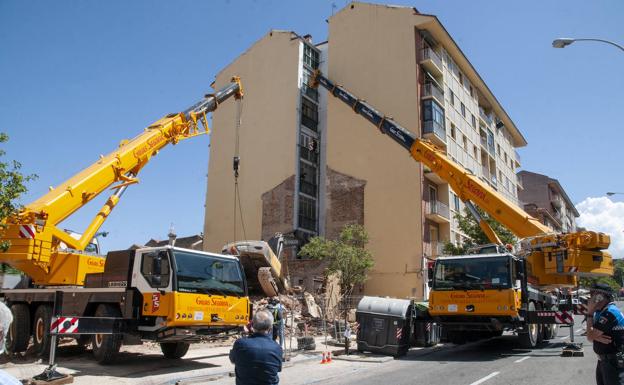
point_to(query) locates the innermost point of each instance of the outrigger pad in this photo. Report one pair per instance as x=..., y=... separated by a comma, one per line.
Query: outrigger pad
x=51, y=377
x=573, y=350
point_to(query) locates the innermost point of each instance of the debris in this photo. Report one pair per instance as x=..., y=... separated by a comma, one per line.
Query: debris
x=313, y=310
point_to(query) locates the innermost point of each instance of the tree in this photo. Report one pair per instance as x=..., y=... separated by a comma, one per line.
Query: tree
x=475, y=236
x=12, y=186
x=346, y=257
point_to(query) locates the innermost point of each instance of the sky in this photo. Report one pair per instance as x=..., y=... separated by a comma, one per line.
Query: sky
x=77, y=77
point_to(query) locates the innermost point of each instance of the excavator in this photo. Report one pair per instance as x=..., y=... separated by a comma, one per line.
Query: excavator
x=493, y=290
x=167, y=294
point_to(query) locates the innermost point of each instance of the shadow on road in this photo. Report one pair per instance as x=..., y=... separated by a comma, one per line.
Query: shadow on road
x=482, y=351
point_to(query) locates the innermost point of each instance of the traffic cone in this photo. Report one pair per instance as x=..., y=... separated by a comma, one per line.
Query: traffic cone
x=324, y=360
x=329, y=358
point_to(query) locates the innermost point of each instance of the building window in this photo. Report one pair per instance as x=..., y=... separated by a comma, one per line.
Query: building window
x=471, y=91
x=307, y=213
x=308, y=148
x=451, y=97
x=433, y=116
x=307, y=179
x=463, y=110
x=474, y=151
x=498, y=149
x=461, y=78
x=465, y=143
x=456, y=202
x=310, y=56
x=453, y=134
x=309, y=114
x=474, y=121
x=308, y=91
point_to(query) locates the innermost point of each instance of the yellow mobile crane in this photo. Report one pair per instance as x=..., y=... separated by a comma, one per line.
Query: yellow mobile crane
x=166, y=294
x=481, y=295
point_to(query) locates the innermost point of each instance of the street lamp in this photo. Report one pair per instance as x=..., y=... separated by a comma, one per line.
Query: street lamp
x=563, y=42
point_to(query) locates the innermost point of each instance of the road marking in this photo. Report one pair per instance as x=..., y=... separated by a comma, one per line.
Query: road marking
x=522, y=359
x=485, y=378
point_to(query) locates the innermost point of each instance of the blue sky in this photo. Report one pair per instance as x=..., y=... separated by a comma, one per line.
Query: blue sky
x=78, y=77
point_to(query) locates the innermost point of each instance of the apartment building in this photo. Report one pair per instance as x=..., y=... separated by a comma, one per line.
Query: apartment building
x=545, y=199
x=309, y=165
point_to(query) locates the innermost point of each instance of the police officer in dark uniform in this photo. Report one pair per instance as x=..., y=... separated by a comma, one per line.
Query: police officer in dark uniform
x=605, y=328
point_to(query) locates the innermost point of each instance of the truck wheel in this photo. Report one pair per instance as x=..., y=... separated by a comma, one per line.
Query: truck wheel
x=550, y=331
x=106, y=346
x=19, y=332
x=174, y=350
x=529, y=334
x=41, y=330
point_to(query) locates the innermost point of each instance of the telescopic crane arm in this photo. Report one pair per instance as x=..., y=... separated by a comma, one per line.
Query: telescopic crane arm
x=33, y=233
x=569, y=254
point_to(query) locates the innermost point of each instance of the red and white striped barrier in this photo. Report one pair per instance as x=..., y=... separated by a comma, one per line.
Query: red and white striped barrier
x=64, y=325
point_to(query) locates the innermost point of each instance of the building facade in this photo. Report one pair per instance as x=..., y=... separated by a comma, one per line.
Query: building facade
x=309, y=165
x=545, y=199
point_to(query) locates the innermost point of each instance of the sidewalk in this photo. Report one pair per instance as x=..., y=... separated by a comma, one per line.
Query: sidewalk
x=145, y=365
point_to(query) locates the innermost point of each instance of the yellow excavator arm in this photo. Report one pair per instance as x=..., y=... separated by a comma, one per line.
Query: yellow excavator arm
x=34, y=236
x=555, y=259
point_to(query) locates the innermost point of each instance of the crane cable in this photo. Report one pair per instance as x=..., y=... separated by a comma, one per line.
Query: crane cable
x=236, y=166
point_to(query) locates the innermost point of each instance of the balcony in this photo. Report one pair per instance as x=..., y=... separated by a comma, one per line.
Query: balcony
x=433, y=249
x=309, y=122
x=494, y=181
x=517, y=160
x=307, y=188
x=432, y=176
x=310, y=156
x=486, y=172
x=437, y=212
x=310, y=92
x=431, y=61
x=519, y=182
x=307, y=223
x=485, y=117
x=435, y=132
x=433, y=90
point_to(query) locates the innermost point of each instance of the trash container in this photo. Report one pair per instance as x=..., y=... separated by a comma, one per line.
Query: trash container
x=384, y=325
x=425, y=332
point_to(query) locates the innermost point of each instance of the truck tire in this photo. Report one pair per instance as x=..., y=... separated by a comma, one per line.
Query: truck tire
x=41, y=330
x=19, y=332
x=174, y=350
x=529, y=336
x=550, y=331
x=106, y=346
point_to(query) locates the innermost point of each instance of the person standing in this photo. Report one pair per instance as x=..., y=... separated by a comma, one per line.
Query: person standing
x=605, y=328
x=6, y=318
x=257, y=359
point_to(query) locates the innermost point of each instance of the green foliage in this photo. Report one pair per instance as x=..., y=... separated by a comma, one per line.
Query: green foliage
x=12, y=186
x=469, y=226
x=347, y=256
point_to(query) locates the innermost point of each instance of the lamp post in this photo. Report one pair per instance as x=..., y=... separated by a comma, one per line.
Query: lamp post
x=563, y=42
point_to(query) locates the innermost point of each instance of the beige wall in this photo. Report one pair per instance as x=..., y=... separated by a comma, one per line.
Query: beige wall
x=372, y=52
x=269, y=73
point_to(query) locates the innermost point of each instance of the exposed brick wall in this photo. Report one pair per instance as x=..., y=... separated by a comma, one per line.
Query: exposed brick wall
x=278, y=209
x=345, y=202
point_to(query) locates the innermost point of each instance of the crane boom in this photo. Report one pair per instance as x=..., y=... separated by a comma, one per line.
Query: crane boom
x=33, y=232
x=551, y=254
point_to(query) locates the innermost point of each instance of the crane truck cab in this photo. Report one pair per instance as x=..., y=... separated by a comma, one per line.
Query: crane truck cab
x=169, y=295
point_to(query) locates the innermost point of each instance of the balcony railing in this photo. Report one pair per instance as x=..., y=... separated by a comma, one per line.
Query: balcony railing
x=432, y=89
x=307, y=223
x=430, y=54
x=437, y=208
x=307, y=188
x=305, y=153
x=485, y=117
x=433, y=127
x=433, y=249
x=309, y=122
